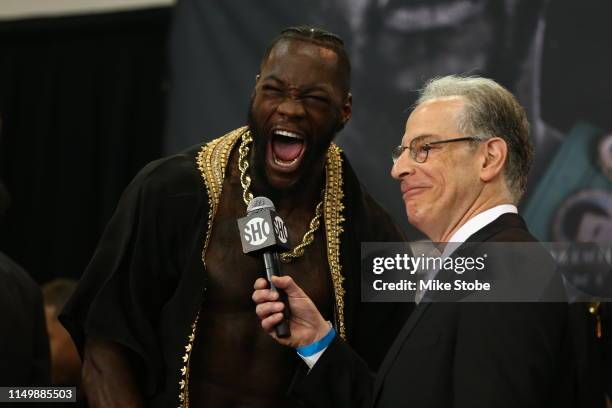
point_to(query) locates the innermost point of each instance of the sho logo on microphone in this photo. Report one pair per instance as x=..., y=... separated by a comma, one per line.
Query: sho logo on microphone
x=262, y=229
x=256, y=231
x=280, y=229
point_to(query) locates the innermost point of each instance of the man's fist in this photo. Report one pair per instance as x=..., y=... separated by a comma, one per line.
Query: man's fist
x=306, y=323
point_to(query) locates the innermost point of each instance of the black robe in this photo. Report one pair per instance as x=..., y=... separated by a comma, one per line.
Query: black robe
x=146, y=281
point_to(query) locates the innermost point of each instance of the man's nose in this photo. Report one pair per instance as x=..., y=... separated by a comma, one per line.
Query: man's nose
x=291, y=107
x=403, y=166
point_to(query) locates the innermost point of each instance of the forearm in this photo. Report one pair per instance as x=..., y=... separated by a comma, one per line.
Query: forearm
x=108, y=379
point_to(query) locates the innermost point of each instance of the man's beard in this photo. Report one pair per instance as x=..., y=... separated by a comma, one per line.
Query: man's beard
x=313, y=161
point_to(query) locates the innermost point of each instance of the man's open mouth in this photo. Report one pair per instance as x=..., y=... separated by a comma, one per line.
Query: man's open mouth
x=285, y=150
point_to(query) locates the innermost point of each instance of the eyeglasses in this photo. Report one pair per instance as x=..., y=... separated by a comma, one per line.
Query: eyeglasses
x=419, y=149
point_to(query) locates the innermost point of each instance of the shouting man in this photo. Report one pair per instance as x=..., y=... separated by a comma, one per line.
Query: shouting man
x=164, y=314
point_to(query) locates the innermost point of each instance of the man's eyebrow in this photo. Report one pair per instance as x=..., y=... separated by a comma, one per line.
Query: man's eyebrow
x=424, y=136
x=274, y=78
x=305, y=89
x=315, y=88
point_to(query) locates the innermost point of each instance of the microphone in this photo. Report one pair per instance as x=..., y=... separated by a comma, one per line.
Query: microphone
x=264, y=232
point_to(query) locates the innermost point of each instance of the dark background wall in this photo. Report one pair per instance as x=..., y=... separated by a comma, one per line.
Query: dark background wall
x=86, y=101
x=82, y=102
x=554, y=55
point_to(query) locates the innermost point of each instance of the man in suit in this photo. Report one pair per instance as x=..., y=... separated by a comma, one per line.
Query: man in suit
x=462, y=167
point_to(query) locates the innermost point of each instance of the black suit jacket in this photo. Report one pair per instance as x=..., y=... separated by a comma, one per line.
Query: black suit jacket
x=460, y=355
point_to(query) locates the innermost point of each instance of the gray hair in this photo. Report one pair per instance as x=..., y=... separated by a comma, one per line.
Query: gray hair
x=490, y=111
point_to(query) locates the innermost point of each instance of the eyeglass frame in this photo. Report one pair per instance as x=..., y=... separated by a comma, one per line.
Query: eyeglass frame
x=399, y=150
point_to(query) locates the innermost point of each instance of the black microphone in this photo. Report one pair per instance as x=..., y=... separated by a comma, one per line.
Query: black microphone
x=264, y=232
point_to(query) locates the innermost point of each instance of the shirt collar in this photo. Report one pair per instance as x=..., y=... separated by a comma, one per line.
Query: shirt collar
x=475, y=224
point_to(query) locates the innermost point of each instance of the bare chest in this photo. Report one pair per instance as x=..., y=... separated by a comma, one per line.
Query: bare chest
x=232, y=353
x=231, y=274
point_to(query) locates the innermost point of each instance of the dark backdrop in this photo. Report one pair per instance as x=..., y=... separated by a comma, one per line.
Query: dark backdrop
x=554, y=55
x=82, y=101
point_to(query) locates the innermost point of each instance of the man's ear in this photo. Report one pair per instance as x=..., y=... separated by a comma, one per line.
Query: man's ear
x=257, y=78
x=495, y=156
x=347, y=109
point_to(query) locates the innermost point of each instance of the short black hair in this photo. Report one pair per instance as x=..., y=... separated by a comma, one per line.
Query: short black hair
x=322, y=38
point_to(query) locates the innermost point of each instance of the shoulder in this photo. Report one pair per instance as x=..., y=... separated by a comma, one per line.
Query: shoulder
x=508, y=227
x=14, y=276
x=166, y=192
x=513, y=235
x=180, y=173
x=175, y=174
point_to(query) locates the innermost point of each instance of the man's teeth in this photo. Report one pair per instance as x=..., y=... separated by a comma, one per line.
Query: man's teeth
x=284, y=163
x=288, y=134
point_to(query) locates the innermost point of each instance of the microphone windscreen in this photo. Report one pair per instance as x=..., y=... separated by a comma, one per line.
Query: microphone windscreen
x=260, y=203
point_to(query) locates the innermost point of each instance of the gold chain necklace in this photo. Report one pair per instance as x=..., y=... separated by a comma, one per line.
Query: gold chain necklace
x=247, y=196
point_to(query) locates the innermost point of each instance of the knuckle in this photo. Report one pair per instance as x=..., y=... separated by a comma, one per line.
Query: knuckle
x=259, y=310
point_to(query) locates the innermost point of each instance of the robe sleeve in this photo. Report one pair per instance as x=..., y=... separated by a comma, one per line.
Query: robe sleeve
x=133, y=272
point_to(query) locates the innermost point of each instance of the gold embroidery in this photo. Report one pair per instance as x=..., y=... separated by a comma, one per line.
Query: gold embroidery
x=333, y=228
x=212, y=161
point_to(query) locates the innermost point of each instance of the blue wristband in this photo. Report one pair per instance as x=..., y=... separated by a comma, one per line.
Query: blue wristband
x=313, y=348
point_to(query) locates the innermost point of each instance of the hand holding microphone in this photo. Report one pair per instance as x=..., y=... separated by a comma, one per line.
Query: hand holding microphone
x=306, y=323
x=263, y=232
